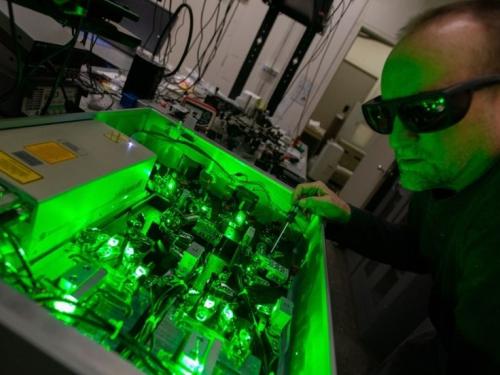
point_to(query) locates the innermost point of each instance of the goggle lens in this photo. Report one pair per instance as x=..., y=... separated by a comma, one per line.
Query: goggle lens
x=423, y=115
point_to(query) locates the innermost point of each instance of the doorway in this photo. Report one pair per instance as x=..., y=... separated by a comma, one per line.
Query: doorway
x=341, y=121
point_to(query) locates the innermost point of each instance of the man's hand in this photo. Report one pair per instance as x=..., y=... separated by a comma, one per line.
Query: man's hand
x=320, y=200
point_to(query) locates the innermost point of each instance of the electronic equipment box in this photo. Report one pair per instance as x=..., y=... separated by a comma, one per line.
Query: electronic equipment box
x=130, y=244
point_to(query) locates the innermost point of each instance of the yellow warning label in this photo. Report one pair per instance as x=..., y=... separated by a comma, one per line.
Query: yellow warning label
x=116, y=136
x=17, y=170
x=50, y=152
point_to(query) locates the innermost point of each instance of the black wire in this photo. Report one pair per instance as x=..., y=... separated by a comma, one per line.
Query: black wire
x=67, y=102
x=159, y=309
x=17, y=248
x=111, y=104
x=58, y=79
x=19, y=64
x=93, y=43
x=103, y=324
x=48, y=58
x=99, y=325
x=204, y=26
x=306, y=102
x=220, y=37
x=201, y=58
x=18, y=280
x=215, y=36
x=318, y=49
x=167, y=27
x=168, y=21
x=188, y=43
x=321, y=47
x=220, y=31
x=335, y=26
x=62, y=68
x=200, y=35
x=90, y=74
x=256, y=183
x=216, y=11
x=169, y=49
x=265, y=362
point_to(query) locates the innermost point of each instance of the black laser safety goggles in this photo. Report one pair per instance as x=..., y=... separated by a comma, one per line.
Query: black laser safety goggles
x=427, y=111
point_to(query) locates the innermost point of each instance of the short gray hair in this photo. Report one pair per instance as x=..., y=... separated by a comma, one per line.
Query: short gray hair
x=486, y=12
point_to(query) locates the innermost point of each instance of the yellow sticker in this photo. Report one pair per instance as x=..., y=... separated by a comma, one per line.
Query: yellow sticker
x=116, y=136
x=17, y=170
x=50, y=152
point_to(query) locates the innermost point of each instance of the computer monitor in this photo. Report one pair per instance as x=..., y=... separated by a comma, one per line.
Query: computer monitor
x=151, y=15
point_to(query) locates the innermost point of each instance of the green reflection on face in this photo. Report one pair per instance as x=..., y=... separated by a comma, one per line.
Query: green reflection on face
x=449, y=158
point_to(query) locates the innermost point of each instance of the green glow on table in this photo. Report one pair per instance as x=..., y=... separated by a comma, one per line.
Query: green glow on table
x=193, y=365
x=240, y=218
x=113, y=242
x=209, y=303
x=129, y=251
x=133, y=122
x=227, y=313
x=231, y=232
x=67, y=285
x=311, y=345
x=245, y=336
x=140, y=271
x=66, y=307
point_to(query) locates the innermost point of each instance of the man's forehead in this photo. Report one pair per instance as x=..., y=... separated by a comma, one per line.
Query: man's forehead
x=408, y=72
x=431, y=59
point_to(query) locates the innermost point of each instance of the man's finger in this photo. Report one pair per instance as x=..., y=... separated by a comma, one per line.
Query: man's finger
x=302, y=188
x=297, y=191
x=309, y=202
x=307, y=189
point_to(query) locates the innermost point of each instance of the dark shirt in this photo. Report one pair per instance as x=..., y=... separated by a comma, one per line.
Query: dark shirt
x=456, y=238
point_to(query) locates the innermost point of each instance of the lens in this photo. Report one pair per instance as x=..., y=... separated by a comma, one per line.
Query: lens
x=425, y=115
x=459, y=105
x=379, y=117
x=420, y=113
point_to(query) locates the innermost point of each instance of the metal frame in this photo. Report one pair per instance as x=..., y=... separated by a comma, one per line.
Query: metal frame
x=291, y=69
x=254, y=51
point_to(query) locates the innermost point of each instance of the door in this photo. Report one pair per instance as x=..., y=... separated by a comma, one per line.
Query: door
x=370, y=172
x=349, y=85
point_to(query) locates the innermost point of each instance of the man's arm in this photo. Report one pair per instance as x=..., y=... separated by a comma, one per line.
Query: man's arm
x=362, y=232
x=394, y=244
x=476, y=344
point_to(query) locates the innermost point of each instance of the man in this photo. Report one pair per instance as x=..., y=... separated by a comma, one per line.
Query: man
x=440, y=106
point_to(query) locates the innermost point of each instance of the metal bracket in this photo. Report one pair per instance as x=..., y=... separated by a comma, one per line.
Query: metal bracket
x=254, y=52
x=291, y=69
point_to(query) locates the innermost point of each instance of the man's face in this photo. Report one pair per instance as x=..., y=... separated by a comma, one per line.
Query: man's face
x=436, y=58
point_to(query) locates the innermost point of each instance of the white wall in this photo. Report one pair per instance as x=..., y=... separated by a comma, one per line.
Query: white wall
x=277, y=51
x=387, y=17
x=384, y=17
x=237, y=41
x=369, y=55
x=291, y=114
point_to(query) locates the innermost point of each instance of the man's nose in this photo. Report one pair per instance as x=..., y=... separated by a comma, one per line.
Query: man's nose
x=401, y=137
